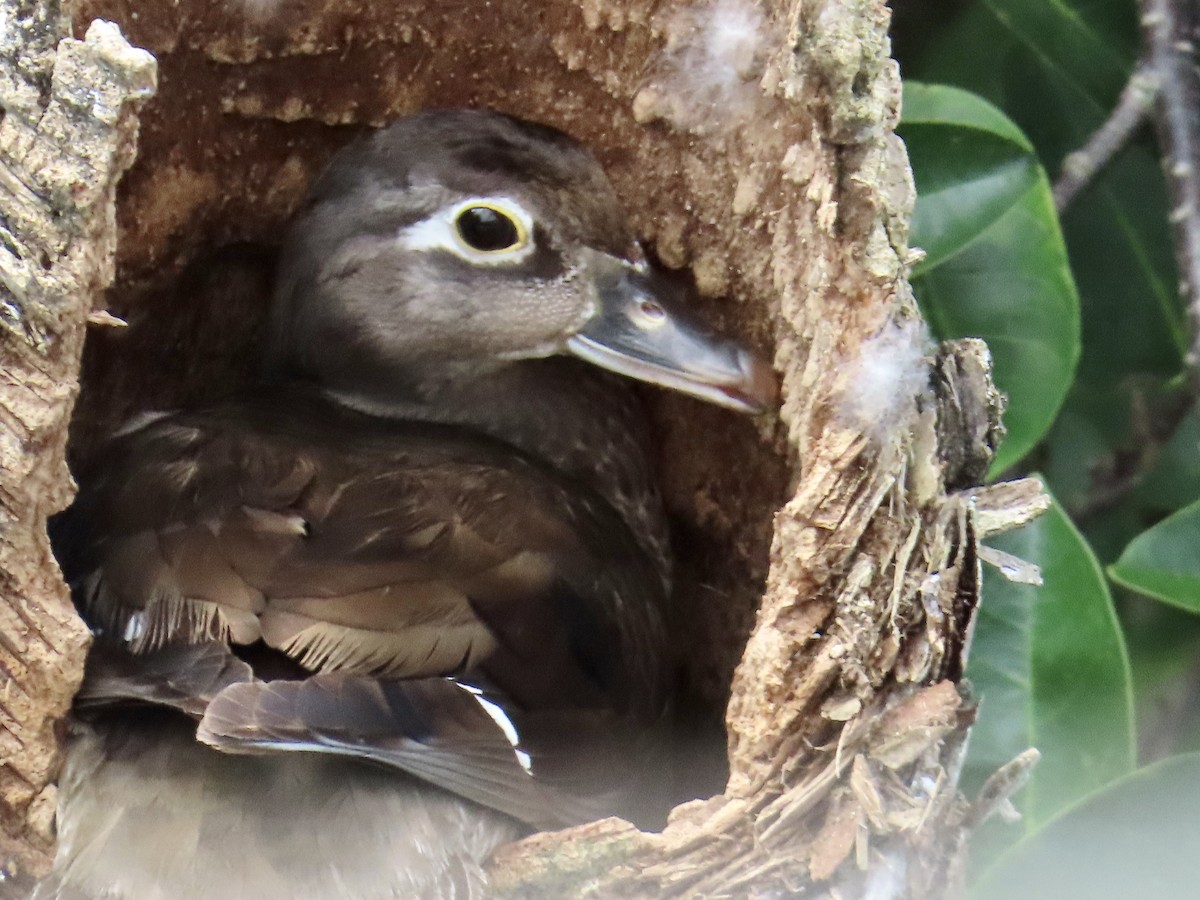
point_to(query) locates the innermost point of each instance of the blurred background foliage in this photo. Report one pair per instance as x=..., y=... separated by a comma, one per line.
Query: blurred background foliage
x=1100, y=667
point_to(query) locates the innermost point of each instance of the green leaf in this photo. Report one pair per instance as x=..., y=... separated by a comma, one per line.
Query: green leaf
x=1120, y=244
x=1051, y=671
x=1055, y=66
x=1136, y=838
x=996, y=266
x=1057, y=69
x=1164, y=561
x=1092, y=445
x=1164, y=644
x=1175, y=479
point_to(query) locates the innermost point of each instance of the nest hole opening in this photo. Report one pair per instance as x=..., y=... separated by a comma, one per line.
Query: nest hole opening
x=250, y=108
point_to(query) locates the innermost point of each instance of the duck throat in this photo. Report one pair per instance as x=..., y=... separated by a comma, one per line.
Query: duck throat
x=583, y=422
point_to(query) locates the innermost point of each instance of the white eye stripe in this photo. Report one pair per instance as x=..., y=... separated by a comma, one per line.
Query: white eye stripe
x=439, y=232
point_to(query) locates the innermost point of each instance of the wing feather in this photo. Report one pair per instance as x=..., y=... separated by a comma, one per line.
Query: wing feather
x=384, y=559
x=432, y=728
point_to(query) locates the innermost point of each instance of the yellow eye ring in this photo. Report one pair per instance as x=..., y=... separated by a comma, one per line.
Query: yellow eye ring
x=486, y=227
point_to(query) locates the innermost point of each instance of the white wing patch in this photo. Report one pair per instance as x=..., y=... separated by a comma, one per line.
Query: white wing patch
x=135, y=628
x=498, y=716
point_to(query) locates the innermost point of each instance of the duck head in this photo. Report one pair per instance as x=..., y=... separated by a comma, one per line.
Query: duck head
x=453, y=244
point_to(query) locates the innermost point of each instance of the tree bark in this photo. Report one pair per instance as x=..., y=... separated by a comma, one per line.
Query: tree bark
x=67, y=135
x=831, y=565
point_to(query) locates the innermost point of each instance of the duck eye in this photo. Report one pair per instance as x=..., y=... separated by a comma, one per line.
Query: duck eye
x=488, y=230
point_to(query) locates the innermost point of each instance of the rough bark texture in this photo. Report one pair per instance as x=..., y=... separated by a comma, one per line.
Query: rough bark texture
x=787, y=201
x=66, y=137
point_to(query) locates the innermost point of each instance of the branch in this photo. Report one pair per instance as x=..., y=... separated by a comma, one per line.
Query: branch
x=1133, y=106
x=1168, y=27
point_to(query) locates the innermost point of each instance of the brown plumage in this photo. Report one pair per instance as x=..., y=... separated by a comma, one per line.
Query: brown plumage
x=424, y=545
x=386, y=550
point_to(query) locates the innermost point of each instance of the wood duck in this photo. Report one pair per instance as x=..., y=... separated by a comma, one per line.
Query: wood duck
x=430, y=540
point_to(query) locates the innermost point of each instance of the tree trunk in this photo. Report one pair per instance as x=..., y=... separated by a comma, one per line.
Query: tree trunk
x=831, y=550
x=67, y=136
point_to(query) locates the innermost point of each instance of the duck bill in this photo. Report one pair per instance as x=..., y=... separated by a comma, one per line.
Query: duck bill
x=640, y=331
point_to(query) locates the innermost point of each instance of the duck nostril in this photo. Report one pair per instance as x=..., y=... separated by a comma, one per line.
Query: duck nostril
x=652, y=311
